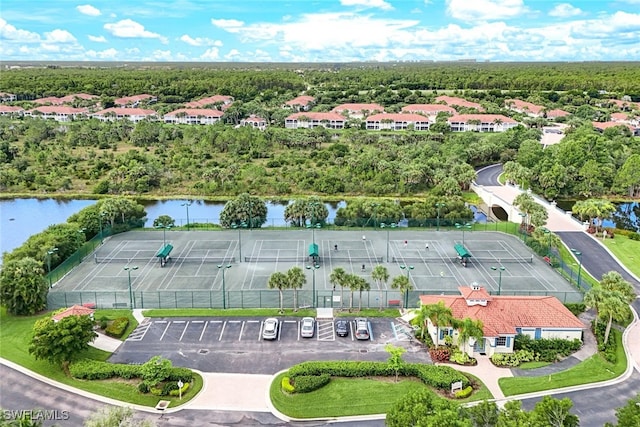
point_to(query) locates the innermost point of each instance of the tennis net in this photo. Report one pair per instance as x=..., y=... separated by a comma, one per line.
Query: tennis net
x=512, y=260
x=355, y=259
x=171, y=259
x=277, y=259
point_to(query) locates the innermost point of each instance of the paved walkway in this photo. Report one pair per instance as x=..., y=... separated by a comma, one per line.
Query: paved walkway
x=233, y=392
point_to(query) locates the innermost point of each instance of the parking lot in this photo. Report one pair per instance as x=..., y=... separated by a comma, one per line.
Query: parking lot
x=236, y=344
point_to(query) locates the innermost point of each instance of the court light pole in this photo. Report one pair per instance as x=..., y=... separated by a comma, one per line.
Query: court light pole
x=313, y=231
x=49, y=253
x=547, y=234
x=128, y=270
x=408, y=268
x=224, y=290
x=438, y=206
x=187, y=204
x=465, y=226
x=388, y=226
x=100, y=219
x=579, y=255
x=239, y=227
x=164, y=233
x=499, y=270
x=313, y=268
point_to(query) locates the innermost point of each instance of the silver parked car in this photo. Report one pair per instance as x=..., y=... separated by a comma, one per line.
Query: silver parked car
x=307, y=327
x=362, y=328
x=270, y=329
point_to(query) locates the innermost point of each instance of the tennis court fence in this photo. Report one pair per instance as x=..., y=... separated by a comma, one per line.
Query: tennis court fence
x=311, y=259
x=512, y=260
x=171, y=259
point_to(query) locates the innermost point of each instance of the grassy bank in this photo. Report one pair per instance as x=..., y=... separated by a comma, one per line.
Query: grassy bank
x=627, y=251
x=15, y=336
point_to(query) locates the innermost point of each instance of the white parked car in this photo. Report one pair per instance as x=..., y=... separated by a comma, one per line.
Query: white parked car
x=270, y=329
x=307, y=327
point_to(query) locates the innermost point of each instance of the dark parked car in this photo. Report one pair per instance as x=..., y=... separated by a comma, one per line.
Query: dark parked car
x=342, y=328
x=362, y=328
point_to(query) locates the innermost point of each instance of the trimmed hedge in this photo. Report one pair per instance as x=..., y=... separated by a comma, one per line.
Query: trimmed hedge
x=88, y=369
x=309, y=383
x=117, y=327
x=286, y=385
x=513, y=359
x=176, y=392
x=440, y=377
x=464, y=393
x=545, y=349
x=606, y=349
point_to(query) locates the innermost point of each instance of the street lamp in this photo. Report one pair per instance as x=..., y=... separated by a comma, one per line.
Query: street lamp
x=523, y=224
x=499, y=270
x=462, y=227
x=187, y=204
x=547, y=234
x=438, y=206
x=579, y=255
x=406, y=295
x=388, y=226
x=128, y=270
x=100, y=219
x=239, y=226
x=224, y=291
x=313, y=268
x=49, y=253
x=164, y=233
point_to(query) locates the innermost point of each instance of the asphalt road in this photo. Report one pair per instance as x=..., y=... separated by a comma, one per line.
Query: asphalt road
x=488, y=176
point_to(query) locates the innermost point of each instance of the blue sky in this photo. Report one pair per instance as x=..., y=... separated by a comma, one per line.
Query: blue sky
x=317, y=31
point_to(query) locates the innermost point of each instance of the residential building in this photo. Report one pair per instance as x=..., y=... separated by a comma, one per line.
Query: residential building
x=481, y=123
x=622, y=105
x=10, y=110
x=602, y=126
x=216, y=100
x=135, y=100
x=78, y=96
x=554, y=114
x=194, y=116
x=7, y=97
x=49, y=100
x=503, y=317
x=429, y=110
x=60, y=113
x=254, y=122
x=459, y=102
x=397, y=121
x=310, y=119
x=118, y=113
x=358, y=111
x=524, y=107
x=300, y=103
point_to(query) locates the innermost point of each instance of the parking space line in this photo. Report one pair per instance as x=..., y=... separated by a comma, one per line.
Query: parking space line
x=160, y=321
x=260, y=329
x=203, y=329
x=183, y=331
x=370, y=331
x=222, y=331
x=165, y=330
x=241, y=331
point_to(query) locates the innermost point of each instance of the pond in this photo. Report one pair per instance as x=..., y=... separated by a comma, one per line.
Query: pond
x=626, y=216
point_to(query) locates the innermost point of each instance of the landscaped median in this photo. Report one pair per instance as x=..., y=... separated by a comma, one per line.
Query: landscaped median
x=361, y=388
x=15, y=338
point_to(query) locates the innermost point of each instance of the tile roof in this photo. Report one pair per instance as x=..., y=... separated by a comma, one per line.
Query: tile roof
x=398, y=117
x=428, y=108
x=619, y=117
x=452, y=100
x=209, y=100
x=503, y=314
x=10, y=109
x=484, y=118
x=607, y=125
x=301, y=100
x=317, y=115
x=204, y=112
x=76, y=310
x=126, y=112
x=74, y=96
x=254, y=119
x=48, y=100
x=132, y=99
x=358, y=107
x=59, y=109
x=524, y=105
x=557, y=113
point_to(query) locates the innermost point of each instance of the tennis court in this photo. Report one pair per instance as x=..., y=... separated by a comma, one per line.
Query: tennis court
x=202, y=263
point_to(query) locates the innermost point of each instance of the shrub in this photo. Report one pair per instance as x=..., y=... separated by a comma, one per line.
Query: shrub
x=117, y=327
x=440, y=354
x=143, y=387
x=512, y=359
x=287, y=386
x=547, y=349
x=460, y=357
x=309, y=383
x=608, y=349
x=576, y=308
x=180, y=374
x=464, y=393
x=88, y=369
x=168, y=387
x=176, y=392
x=634, y=236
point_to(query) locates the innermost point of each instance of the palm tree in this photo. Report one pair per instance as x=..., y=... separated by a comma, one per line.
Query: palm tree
x=338, y=278
x=438, y=314
x=360, y=284
x=610, y=299
x=403, y=284
x=468, y=328
x=280, y=282
x=613, y=306
x=296, y=280
x=351, y=281
x=380, y=274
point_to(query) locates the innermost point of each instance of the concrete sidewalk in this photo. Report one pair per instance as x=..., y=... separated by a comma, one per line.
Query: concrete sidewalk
x=488, y=373
x=233, y=392
x=106, y=343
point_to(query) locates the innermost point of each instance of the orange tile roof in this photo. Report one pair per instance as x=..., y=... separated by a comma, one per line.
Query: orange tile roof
x=316, y=115
x=131, y=99
x=301, y=100
x=126, y=112
x=358, y=107
x=428, y=108
x=607, y=125
x=452, y=100
x=76, y=310
x=59, y=109
x=10, y=109
x=557, y=113
x=205, y=112
x=524, y=105
x=398, y=117
x=503, y=314
x=209, y=100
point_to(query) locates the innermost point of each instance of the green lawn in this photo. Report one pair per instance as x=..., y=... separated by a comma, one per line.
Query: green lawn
x=533, y=365
x=627, y=251
x=114, y=314
x=592, y=370
x=15, y=335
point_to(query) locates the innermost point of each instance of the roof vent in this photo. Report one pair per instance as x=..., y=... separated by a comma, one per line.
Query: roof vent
x=475, y=286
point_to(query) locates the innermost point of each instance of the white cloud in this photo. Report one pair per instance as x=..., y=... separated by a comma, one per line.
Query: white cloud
x=110, y=53
x=564, y=10
x=9, y=32
x=485, y=10
x=199, y=41
x=233, y=55
x=59, y=36
x=211, y=54
x=380, y=4
x=128, y=29
x=87, y=9
x=97, y=39
x=230, y=25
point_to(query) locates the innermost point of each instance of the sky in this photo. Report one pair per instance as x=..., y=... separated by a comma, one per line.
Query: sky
x=319, y=30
